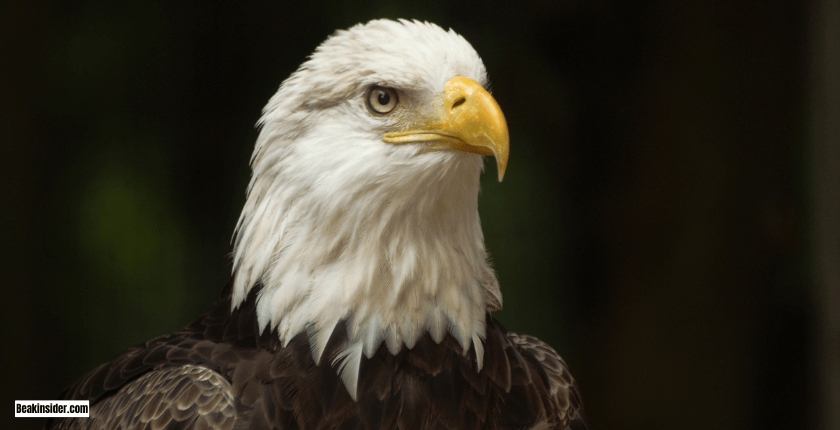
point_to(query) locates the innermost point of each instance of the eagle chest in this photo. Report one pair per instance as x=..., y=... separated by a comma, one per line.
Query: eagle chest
x=431, y=386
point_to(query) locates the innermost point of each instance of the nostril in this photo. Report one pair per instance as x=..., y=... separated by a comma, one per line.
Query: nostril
x=458, y=102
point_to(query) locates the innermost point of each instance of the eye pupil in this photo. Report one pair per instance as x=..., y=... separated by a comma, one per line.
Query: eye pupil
x=383, y=98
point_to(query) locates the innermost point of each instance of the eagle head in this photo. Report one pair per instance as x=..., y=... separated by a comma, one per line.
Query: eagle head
x=363, y=203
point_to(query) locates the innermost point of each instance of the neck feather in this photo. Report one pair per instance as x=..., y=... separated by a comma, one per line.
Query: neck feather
x=394, y=253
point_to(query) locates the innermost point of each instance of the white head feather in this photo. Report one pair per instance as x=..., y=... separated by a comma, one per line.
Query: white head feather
x=340, y=225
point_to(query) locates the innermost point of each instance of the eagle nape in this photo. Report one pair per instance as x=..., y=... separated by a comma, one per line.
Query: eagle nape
x=361, y=292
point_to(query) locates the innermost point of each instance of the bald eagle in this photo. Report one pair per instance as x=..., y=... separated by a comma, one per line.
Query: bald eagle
x=361, y=290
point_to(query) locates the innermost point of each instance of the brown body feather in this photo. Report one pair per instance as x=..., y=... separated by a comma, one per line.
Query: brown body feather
x=221, y=373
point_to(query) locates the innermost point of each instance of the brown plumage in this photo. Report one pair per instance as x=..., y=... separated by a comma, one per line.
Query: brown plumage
x=220, y=373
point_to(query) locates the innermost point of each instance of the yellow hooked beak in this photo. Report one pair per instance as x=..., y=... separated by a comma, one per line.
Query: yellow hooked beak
x=471, y=122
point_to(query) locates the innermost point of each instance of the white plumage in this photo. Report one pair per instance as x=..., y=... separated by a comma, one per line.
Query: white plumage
x=339, y=224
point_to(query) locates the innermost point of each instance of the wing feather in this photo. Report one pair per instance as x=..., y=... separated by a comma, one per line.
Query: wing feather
x=176, y=397
x=563, y=392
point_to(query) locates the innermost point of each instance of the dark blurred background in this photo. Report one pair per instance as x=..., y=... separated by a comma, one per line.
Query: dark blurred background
x=669, y=221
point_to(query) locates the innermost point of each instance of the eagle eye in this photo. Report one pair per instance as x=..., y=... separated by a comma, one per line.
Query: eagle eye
x=381, y=100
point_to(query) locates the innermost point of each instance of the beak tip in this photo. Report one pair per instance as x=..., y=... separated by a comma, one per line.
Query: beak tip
x=501, y=170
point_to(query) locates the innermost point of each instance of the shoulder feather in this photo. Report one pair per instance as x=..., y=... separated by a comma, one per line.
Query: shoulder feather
x=562, y=389
x=174, y=397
